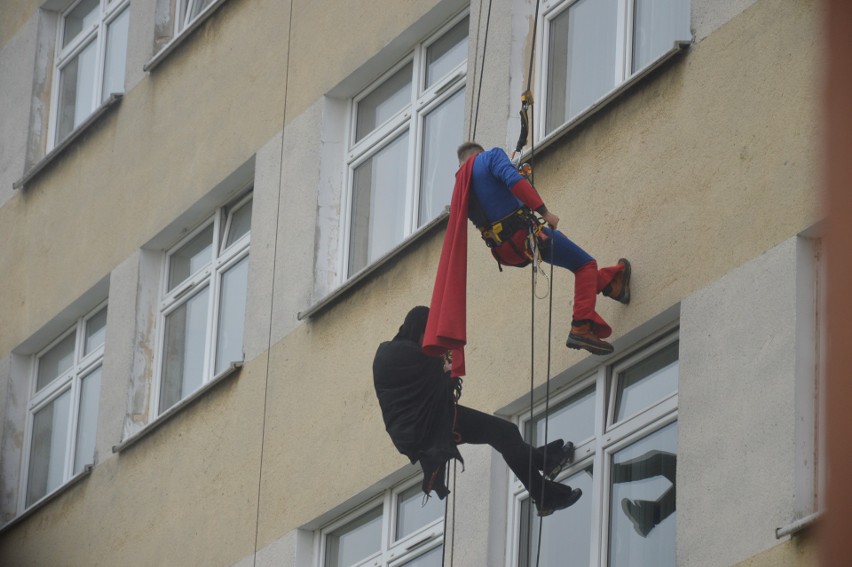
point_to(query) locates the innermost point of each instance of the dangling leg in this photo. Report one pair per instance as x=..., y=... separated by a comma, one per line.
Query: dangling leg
x=477, y=428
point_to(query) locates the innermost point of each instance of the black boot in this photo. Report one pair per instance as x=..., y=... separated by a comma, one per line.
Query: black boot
x=558, y=460
x=556, y=497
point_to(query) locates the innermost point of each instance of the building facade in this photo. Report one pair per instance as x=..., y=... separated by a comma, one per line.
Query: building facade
x=213, y=211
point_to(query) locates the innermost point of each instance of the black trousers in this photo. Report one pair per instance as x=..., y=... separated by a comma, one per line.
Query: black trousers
x=478, y=428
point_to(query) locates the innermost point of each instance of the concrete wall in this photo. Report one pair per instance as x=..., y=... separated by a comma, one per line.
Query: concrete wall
x=703, y=175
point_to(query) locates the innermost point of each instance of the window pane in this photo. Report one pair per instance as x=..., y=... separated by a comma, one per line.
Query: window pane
x=385, y=101
x=447, y=53
x=647, y=382
x=116, y=55
x=567, y=533
x=76, y=91
x=412, y=515
x=378, y=204
x=581, y=66
x=95, y=331
x=55, y=361
x=355, y=541
x=197, y=7
x=240, y=224
x=232, y=314
x=642, y=510
x=191, y=257
x=48, y=448
x=442, y=131
x=573, y=420
x=658, y=24
x=83, y=16
x=432, y=558
x=87, y=421
x=183, y=364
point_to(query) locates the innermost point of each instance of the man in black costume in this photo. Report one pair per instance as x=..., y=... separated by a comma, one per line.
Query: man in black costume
x=418, y=401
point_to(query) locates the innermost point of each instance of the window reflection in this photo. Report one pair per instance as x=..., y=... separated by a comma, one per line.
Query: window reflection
x=642, y=510
x=566, y=533
x=573, y=420
x=647, y=382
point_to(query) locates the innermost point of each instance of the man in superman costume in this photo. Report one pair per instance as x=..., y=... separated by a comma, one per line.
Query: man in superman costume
x=500, y=202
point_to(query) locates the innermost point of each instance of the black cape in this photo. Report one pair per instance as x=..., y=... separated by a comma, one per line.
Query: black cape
x=416, y=398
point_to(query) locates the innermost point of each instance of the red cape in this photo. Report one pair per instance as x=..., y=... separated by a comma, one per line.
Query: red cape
x=446, y=328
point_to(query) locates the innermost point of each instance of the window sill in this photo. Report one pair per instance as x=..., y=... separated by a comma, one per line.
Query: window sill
x=370, y=269
x=601, y=103
x=176, y=41
x=797, y=526
x=53, y=154
x=73, y=481
x=232, y=370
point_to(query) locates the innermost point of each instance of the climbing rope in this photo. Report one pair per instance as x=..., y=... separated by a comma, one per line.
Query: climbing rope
x=475, y=120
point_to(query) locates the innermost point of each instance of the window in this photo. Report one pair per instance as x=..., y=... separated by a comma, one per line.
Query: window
x=594, y=46
x=203, y=305
x=401, y=152
x=63, y=407
x=393, y=531
x=623, y=421
x=188, y=11
x=90, y=61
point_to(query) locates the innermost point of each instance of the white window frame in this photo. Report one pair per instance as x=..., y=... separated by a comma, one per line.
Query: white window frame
x=609, y=437
x=184, y=7
x=108, y=12
x=83, y=365
x=392, y=553
x=624, y=76
x=207, y=278
x=409, y=119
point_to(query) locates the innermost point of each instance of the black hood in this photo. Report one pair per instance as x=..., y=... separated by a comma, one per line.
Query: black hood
x=414, y=326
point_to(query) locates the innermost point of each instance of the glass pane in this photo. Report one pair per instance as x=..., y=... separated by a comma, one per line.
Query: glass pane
x=432, y=558
x=567, y=533
x=385, y=101
x=412, y=515
x=183, y=360
x=581, y=66
x=232, y=315
x=191, y=257
x=355, y=541
x=642, y=509
x=83, y=16
x=87, y=421
x=442, y=131
x=378, y=204
x=55, y=361
x=95, y=331
x=447, y=53
x=116, y=55
x=658, y=24
x=573, y=420
x=197, y=7
x=48, y=448
x=76, y=91
x=240, y=224
x=647, y=382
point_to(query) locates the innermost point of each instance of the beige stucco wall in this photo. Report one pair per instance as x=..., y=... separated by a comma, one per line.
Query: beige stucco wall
x=704, y=166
